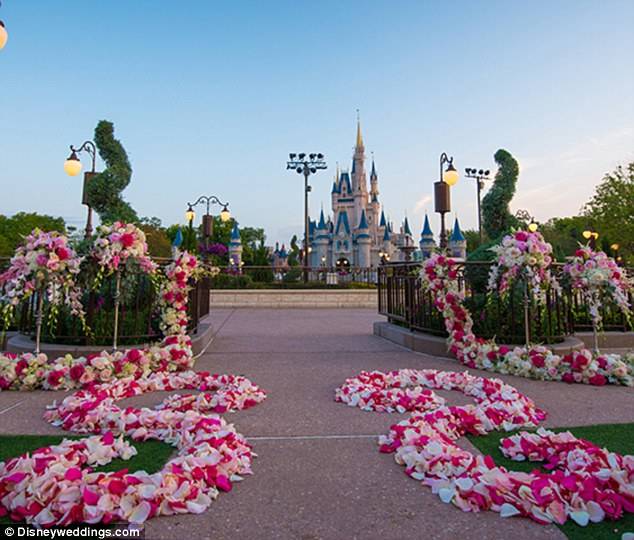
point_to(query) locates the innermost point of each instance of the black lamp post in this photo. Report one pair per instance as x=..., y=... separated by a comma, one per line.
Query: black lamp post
x=208, y=221
x=442, y=194
x=479, y=175
x=72, y=166
x=306, y=164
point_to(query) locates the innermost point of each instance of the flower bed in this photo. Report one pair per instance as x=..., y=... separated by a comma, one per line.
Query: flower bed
x=586, y=484
x=439, y=276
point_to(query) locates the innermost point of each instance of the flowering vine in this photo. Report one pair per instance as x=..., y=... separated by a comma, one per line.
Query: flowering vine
x=439, y=276
x=586, y=484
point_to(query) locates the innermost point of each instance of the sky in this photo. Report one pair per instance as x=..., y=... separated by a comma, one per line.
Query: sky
x=210, y=97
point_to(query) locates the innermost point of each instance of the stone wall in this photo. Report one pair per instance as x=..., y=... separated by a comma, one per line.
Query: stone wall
x=294, y=298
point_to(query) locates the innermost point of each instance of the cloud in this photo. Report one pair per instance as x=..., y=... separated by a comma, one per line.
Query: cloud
x=422, y=203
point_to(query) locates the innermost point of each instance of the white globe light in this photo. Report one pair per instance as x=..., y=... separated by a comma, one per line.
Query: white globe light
x=4, y=36
x=72, y=167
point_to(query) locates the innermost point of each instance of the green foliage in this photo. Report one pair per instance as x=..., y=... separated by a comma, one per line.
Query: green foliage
x=222, y=231
x=104, y=189
x=615, y=437
x=473, y=239
x=565, y=234
x=13, y=229
x=231, y=281
x=612, y=209
x=294, y=252
x=496, y=217
x=158, y=242
x=293, y=275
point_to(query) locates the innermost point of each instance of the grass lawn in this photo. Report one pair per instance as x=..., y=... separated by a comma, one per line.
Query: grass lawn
x=151, y=455
x=615, y=437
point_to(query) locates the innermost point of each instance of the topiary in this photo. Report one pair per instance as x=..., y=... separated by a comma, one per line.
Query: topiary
x=104, y=189
x=496, y=217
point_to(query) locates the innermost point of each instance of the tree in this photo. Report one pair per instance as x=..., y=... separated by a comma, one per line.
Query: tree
x=158, y=242
x=473, y=240
x=496, y=217
x=564, y=234
x=294, y=252
x=104, y=189
x=612, y=209
x=13, y=229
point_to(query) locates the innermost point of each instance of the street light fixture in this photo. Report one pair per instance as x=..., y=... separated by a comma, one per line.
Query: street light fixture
x=480, y=176
x=208, y=223
x=72, y=167
x=442, y=194
x=304, y=166
x=4, y=36
x=592, y=237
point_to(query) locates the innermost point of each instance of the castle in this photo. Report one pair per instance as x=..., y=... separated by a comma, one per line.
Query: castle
x=357, y=234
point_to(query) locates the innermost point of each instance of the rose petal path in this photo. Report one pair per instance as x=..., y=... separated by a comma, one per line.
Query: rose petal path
x=319, y=473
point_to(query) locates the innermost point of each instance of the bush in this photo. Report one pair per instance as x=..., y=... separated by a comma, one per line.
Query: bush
x=231, y=281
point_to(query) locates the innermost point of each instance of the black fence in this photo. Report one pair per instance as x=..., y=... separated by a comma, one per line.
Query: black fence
x=139, y=313
x=403, y=300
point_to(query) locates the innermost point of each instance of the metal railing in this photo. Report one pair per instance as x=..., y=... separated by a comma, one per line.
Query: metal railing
x=403, y=301
x=245, y=277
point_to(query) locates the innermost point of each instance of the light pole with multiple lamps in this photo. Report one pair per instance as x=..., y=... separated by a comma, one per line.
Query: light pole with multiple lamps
x=442, y=194
x=479, y=175
x=592, y=237
x=208, y=222
x=306, y=164
x=4, y=36
x=72, y=166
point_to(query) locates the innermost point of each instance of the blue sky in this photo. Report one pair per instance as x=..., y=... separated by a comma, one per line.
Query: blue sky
x=209, y=98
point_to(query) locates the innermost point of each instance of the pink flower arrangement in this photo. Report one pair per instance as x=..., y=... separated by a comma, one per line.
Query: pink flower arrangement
x=595, y=274
x=522, y=255
x=439, y=276
x=56, y=486
x=117, y=244
x=44, y=264
x=586, y=484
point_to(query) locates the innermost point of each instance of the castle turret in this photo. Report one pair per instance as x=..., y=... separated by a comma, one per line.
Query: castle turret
x=363, y=242
x=427, y=243
x=359, y=179
x=235, y=246
x=321, y=240
x=457, y=242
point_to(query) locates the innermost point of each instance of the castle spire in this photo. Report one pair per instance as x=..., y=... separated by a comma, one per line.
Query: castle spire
x=359, y=136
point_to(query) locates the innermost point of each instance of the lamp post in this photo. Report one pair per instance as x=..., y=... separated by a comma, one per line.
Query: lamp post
x=479, y=175
x=4, y=36
x=208, y=223
x=592, y=237
x=442, y=194
x=306, y=164
x=524, y=215
x=615, y=248
x=73, y=167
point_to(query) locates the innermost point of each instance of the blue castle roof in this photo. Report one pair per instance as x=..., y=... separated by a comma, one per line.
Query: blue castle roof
x=178, y=239
x=426, y=228
x=335, y=188
x=406, y=228
x=386, y=234
x=342, y=222
x=322, y=221
x=363, y=226
x=345, y=177
x=235, y=235
x=382, y=223
x=456, y=235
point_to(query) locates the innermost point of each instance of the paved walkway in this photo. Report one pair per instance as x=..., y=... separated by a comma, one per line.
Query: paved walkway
x=319, y=474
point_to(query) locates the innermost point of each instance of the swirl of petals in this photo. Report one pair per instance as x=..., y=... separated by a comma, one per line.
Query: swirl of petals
x=586, y=483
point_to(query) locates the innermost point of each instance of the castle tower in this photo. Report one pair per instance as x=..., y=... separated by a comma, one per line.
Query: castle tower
x=457, y=242
x=427, y=243
x=374, y=206
x=235, y=246
x=321, y=240
x=363, y=242
x=359, y=178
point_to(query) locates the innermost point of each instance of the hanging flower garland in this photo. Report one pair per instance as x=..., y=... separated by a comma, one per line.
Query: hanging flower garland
x=586, y=484
x=173, y=293
x=439, y=276
x=594, y=274
x=526, y=256
x=44, y=264
x=52, y=486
